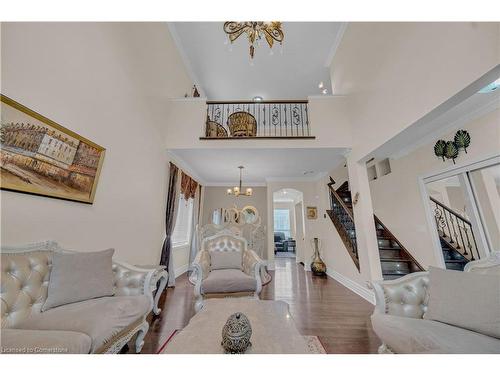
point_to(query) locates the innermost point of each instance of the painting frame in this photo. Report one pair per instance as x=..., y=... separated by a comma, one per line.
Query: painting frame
x=34, y=190
x=312, y=212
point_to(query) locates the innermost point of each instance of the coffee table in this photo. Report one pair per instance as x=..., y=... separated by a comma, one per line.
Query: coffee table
x=273, y=329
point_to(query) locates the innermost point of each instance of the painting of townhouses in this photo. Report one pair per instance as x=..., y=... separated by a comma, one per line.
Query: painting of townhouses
x=40, y=157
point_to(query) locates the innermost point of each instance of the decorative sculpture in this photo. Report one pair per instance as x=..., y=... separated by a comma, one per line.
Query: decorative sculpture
x=236, y=334
x=318, y=267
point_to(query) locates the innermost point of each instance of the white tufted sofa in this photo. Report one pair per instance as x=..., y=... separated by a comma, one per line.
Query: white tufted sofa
x=398, y=317
x=212, y=283
x=101, y=325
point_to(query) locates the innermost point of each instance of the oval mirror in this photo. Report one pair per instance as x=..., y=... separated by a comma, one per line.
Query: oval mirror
x=250, y=214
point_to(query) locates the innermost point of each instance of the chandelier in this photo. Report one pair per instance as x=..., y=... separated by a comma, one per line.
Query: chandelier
x=255, y=30
x=238, y=190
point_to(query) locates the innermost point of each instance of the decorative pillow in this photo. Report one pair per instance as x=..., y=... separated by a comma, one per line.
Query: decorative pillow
x=220, y=260
x=465, y=299
x=78, y=277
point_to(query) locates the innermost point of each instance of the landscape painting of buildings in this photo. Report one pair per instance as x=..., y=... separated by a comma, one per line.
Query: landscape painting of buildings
x=41, y=157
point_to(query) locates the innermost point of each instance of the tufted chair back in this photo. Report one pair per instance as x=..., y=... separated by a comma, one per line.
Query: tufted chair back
x=409, y=295
x=24, y=282
x=224, y=242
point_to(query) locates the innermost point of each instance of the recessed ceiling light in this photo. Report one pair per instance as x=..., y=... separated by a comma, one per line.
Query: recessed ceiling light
x=491, y=87
x=325, y=91
x=257, y=98
x=321, y=84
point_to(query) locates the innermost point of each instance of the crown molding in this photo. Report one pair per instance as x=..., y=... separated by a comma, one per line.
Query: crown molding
x=336, y=44
x=187, y=63
x=488, y=107
x=188, y=99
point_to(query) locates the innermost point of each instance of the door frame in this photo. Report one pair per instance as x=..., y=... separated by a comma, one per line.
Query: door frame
x=477, y=217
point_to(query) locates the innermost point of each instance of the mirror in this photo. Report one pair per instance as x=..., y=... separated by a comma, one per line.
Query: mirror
x=249, y=214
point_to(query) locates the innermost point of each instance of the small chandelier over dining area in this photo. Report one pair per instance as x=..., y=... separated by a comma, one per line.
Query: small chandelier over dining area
x=255, y=31
x=238, y=190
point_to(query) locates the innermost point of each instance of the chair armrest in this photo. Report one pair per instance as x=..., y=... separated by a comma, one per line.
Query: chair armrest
x=407, y=296
x=132, y=281
x=252, y=264
x=201, y=266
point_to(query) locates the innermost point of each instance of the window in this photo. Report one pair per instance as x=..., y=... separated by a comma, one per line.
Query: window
x=282, y=221
x=183, y=223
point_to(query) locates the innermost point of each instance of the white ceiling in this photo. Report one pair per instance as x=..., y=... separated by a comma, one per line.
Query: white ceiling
x=225, y=74
x=220, y=166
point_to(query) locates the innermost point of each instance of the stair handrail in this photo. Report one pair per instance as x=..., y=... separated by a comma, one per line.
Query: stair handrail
x=401, y=246
x=450, y=210
x=341, y=201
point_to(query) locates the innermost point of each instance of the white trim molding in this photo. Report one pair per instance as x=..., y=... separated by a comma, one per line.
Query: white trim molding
x=360, y=290
x=181, y=270
x=336, y=44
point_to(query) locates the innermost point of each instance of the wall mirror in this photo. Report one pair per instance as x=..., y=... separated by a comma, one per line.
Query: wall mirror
x=249, y=214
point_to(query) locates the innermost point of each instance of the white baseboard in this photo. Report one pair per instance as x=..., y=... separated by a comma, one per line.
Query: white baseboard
x=181, y=270
x=360, y=290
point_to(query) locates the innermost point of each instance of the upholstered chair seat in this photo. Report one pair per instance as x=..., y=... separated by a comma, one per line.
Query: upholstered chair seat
x=228, y=281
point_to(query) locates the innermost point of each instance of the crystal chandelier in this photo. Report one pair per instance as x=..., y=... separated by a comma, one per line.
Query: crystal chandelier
x=238, y=190
x=255, y=30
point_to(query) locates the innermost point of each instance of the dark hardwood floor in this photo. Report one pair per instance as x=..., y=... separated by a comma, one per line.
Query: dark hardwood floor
x=320, y=307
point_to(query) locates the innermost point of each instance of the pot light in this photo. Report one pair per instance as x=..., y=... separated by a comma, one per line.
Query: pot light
x=491, y=87
x=324, y=91
x=321, y=85
x=257, y=98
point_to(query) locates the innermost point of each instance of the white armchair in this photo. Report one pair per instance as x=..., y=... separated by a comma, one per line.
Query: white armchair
x=226, y=267
x=408, y=297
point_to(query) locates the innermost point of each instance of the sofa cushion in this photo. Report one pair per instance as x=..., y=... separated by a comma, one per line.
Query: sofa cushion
x=78, y=277
x=408, y=335
x=25, y=341
x=100, y=318
x=220, y=260
x=465, y=299
x=228, y=281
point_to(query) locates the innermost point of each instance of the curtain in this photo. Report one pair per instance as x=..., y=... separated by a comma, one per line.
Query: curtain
x=194, y=234
x=173, y=195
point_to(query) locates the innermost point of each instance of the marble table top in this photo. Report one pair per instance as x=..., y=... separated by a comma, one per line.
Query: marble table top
x=273, y=329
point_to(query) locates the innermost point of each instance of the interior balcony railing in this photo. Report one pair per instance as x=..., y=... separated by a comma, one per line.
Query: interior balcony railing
x=264, y=120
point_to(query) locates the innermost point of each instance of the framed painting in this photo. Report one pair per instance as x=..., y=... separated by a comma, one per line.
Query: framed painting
x=39, y=156
x=312, y=213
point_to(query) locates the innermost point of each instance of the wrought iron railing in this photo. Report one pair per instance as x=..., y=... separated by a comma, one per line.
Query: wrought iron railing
x=455, y=229
x=264, y=119
x=343, y=219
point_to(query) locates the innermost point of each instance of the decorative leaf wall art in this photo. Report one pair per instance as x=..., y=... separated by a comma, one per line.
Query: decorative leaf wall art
x=439, y=149
x=450, y=149
x=462, y=139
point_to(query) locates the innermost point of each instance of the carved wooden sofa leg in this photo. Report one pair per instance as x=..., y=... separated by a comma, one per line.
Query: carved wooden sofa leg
x=384, y=349
x=139, y=341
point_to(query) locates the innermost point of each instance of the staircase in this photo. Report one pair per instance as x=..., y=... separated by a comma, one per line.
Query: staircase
x=456, y=236
x=395, y=260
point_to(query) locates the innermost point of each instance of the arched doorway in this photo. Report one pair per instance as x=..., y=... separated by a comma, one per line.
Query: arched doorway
x=288, y=224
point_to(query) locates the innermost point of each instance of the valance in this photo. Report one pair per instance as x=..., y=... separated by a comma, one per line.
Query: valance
x=188, y=186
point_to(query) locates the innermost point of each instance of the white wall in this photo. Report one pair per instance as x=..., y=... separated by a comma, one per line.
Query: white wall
x=99, y=80
x=327, y=117
x=396, y=196
x=395, y=73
